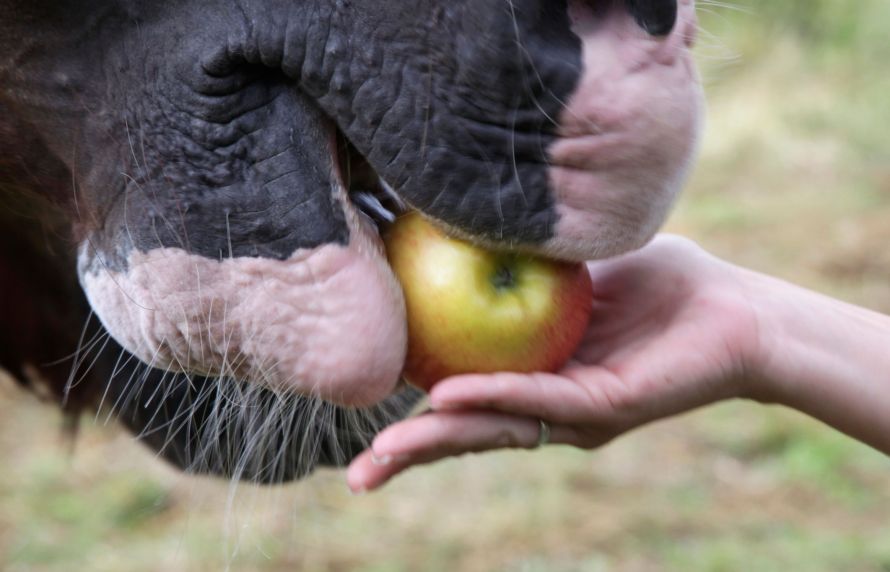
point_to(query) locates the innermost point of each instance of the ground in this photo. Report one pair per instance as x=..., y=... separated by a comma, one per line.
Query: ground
x=794, y=180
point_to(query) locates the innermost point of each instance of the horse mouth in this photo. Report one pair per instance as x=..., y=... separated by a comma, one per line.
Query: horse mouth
x=368, y=192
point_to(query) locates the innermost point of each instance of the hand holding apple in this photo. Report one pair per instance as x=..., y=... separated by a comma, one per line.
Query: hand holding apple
x=672, y=329
x=471, y=310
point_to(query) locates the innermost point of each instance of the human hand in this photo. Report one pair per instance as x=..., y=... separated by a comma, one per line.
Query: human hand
x=672, y=329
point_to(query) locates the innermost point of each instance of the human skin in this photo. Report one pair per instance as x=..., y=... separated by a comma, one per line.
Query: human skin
x=673, y=329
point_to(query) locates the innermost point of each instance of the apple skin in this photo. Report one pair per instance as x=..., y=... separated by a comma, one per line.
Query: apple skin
x=472, y=310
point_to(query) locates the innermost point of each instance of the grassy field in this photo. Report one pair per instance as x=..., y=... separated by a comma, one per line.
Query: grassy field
x=794, y=180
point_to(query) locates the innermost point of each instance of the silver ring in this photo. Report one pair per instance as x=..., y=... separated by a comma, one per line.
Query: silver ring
x=543, y=433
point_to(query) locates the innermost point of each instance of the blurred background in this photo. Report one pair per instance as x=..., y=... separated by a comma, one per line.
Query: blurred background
x=793, y=180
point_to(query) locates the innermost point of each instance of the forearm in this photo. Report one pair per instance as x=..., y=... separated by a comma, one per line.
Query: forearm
x=826, y=358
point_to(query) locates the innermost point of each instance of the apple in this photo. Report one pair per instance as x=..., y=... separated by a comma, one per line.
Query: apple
x=473, y=310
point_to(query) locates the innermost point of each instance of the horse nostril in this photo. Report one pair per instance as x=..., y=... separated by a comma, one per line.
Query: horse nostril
x=657, y=17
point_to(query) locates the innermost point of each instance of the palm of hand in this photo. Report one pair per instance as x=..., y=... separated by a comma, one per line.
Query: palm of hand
x=670, y=331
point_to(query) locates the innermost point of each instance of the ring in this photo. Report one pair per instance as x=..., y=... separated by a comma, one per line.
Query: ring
x=543, y=433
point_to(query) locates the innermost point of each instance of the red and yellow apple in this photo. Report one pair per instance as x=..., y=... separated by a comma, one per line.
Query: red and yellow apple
x=472, y=310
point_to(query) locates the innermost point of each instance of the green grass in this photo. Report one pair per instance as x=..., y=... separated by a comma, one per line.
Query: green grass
x=794, y=180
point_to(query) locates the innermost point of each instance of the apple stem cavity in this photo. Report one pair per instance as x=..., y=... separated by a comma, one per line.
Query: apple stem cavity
x=504, y=276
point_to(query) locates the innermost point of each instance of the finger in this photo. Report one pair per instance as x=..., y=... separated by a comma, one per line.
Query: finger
x=366, y=472
x=457, y=431
x=432, y=437
x=435, y=436
x=579, y=395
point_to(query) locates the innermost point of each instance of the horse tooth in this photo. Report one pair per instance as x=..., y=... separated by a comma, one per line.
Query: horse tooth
x=372, y=206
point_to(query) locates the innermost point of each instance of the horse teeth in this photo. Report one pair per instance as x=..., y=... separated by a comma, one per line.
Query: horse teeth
x=392, y=195
x=372, y=206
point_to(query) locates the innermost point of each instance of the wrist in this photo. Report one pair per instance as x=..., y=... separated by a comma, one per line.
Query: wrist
x=821, y=356
x=805, y=339
x=771, y=370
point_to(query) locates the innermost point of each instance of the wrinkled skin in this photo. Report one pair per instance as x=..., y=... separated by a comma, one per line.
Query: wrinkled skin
x=188, y=173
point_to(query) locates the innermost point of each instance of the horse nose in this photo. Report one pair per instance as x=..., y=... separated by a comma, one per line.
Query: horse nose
x=656, y=17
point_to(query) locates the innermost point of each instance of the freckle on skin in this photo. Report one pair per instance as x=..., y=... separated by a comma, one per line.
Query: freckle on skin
x=507, y=440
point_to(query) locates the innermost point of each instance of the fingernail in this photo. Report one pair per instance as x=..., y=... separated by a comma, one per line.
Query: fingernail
x=443, y=405
x=381, y=461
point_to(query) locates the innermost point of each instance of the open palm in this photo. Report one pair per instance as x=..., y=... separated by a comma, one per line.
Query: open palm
x=671, y=330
